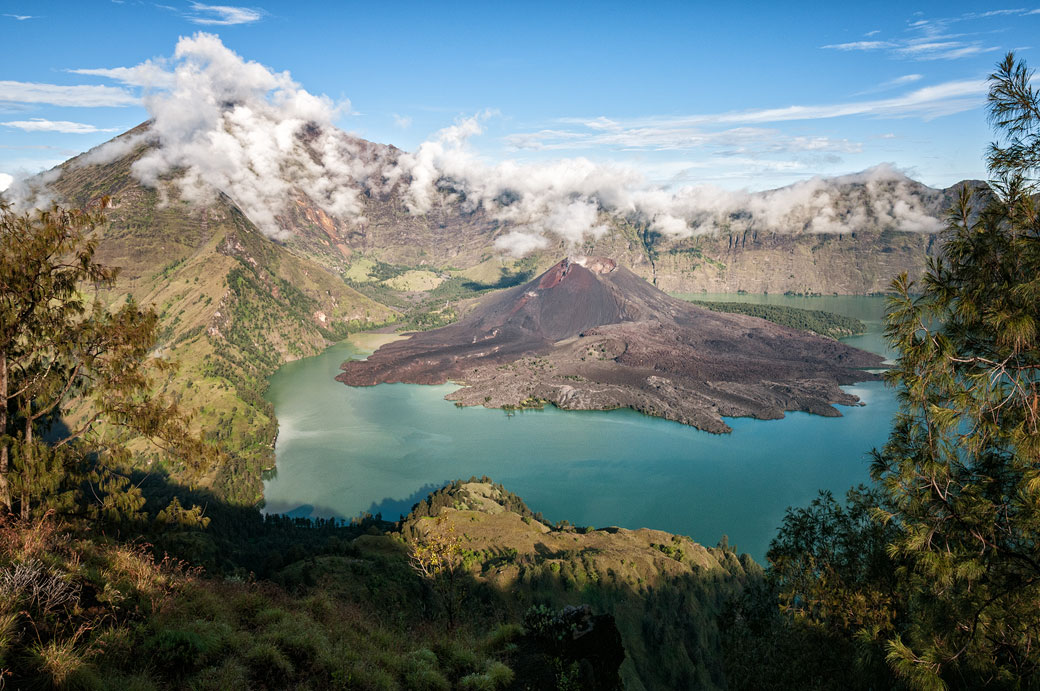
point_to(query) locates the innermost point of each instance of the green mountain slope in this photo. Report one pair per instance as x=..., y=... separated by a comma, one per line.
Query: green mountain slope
x=234, y=304
x=666, y=592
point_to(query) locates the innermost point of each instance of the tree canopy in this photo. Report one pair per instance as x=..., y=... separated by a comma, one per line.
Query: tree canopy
x=77, y=379
x=960, y=472
x=931, y=578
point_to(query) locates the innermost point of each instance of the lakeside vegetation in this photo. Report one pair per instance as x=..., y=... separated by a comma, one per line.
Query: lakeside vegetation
x=433, y=304
x=824, y=323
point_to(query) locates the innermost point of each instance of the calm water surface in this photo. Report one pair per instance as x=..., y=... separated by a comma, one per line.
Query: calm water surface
x=342, y=451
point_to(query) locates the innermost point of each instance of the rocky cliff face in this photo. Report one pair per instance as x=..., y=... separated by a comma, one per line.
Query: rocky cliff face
x=766, y=260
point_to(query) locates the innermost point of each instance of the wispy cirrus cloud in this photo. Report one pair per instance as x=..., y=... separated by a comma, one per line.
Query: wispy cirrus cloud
x=667, y=136
x=942, y=50
x=860, y=45
x=21, y=17
x=61, y=126
x=892, y=84
x=223, y=15
x=147, y=74
x=918, y=48
x=934, y=39
x=77, y=95
x=752, y=135
x=905, y=79
x=927, y=103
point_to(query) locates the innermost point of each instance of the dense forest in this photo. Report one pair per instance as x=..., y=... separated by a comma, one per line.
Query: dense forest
x=818, y=321
x=121, y=567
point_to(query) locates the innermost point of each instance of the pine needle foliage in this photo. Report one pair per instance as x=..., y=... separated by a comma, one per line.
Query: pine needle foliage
x=961, y=470
x=78, y=381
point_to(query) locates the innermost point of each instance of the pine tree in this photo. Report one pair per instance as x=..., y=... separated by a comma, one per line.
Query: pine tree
x=961, y=470
x=62, y=350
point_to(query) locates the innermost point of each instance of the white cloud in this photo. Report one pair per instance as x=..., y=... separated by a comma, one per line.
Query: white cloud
x=859, y=45
x=148, y=74
x=748, y=138
x=643, y=135
x=402, y=121
x=5, y=181
x=926, y=103
x=225, y=124
x=223, y=15
x=21, y=17
x=235, y=126
x=63, y=126
x=942, y=50
x=905, y=79
x=1005, y=13
x=26, y=191
x=932, y=39
x=82, y=96
x=892, y=84
x=518, y=243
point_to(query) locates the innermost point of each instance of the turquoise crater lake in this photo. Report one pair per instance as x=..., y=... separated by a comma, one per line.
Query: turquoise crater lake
x=342, y=451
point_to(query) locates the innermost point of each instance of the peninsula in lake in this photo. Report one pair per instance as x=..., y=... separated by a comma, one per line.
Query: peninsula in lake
x=589, y=334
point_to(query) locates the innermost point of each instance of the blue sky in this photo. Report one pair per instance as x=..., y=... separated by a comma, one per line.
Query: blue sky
x=751, y=96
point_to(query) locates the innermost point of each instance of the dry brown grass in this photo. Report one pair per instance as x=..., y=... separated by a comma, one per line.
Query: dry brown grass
x=60, y=658
x=23, y=540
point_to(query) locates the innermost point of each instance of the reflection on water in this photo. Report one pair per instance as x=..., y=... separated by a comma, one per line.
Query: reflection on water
x=342, y=451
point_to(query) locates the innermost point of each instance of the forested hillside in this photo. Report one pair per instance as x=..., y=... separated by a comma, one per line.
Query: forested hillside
x=232, y=306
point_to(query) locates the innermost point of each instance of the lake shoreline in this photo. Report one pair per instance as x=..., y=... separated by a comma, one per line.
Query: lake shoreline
x=343, y=452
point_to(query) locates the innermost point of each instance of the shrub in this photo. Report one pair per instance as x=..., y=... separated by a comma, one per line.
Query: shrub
x=476, y=682
x=176, y=652
x=503, y=636
x=268, y=664
x=499, y=674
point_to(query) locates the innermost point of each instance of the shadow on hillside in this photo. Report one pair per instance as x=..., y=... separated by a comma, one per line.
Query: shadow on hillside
x=305, y=511
x=242, y=540
x=300, y=554
x=389, y=507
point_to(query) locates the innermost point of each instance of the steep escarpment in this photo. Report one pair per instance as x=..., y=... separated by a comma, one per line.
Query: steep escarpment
x=590, y=335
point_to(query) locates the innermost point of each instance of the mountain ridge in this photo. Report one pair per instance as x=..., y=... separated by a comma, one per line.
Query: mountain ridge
x=751, y=248
x=236, y=303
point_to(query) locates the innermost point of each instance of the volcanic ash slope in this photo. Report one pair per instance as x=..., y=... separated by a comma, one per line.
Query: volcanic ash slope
x=591, y=335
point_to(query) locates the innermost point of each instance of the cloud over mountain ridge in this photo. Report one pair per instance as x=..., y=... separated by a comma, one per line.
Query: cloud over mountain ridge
x=221, y=123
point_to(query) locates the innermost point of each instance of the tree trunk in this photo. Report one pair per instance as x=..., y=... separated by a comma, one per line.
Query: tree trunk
x=27, y=459
x=5, y=489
